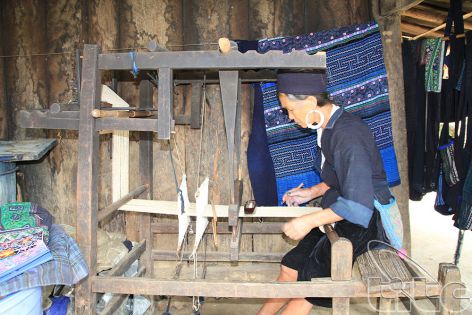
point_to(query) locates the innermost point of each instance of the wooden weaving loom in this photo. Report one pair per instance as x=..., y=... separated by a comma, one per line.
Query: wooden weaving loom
x=229, y=63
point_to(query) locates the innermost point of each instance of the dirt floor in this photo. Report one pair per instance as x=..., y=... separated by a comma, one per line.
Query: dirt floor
x=433, y=241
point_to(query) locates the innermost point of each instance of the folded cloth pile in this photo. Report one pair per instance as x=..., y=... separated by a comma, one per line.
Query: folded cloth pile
x=24, y=234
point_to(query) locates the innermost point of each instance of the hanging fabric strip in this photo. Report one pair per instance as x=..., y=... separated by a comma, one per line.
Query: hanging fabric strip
x=433, y=58
x=201, y=197
x=182, y=208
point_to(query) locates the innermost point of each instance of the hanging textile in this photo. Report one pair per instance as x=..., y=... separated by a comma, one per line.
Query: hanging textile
x=201, y=202
x=433, y=52
x=453, y=156
x=259, y=160
x=464, y=218
x=183, y=204
x=357, y=78
x=422, y=121
x=294, y=151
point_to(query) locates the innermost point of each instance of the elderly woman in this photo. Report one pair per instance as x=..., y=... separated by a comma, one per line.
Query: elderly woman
x=352, y=178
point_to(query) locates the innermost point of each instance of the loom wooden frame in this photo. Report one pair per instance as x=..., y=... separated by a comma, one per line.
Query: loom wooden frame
x=341, y=286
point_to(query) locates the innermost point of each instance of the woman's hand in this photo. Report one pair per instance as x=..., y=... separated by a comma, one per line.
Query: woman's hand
x=297, y=228
x=298, y=195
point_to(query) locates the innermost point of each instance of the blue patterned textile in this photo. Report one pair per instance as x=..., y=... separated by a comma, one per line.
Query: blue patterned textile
x=357, y=80
x=67, y=267
x=315, y=42
x=278, y=126
x=294, y=151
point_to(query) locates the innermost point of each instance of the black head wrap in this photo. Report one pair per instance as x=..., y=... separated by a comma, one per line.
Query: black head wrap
x=301, y=83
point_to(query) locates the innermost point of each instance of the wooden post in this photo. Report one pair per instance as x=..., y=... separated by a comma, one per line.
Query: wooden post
x=341, y=267
x=269, y=18
x=165, y=103
x=146, y=162
x=87, y=169
x=4, y=109
x=384, y=306
x=450, y=278
x=391, y=40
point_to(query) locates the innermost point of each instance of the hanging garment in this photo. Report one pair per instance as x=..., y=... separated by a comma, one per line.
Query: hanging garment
x=259, y=160
x=464, y=217
x=454, y=158
x=422, y=121
x=357, y=78
x=201, y=200
x=182, y=211
x=415, y=100
x=294, y=151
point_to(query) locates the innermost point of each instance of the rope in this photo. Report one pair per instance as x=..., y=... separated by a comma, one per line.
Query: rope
x=201, y=130
x=196, y=299
x=105, y=50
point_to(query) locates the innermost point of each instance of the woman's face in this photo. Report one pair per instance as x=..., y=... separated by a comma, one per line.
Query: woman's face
x=297, y=110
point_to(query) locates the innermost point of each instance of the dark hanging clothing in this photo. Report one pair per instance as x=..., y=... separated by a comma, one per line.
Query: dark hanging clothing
x=259, y=160
x=422, y=111
x=354, y=171
x=415, y=100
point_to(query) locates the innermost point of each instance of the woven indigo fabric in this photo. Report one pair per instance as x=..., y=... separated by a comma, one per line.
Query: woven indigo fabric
x=293, y=149
x=357, y=78
x=259, y=161
x=315, y=42
x=381, y=127
x=67, y=267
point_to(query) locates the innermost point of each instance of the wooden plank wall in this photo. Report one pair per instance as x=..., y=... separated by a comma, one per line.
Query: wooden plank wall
x=34, y=26
x=3, y=101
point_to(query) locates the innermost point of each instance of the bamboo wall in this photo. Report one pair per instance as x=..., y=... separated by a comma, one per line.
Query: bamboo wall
x=26, y=82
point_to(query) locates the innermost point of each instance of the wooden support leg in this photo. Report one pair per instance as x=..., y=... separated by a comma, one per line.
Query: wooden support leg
x=235, y=222
x=235, y=242
x=196, y=105
x=384, y=306
x=146, y=172
x=341, y=270
x=165, y=101
x=229, y=84
x=450, y=278
x=87, y=169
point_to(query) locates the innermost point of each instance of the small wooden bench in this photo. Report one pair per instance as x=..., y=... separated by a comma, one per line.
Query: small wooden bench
x=387, y=278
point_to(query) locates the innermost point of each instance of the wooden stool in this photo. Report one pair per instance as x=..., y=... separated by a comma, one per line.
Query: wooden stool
x=387, y=277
